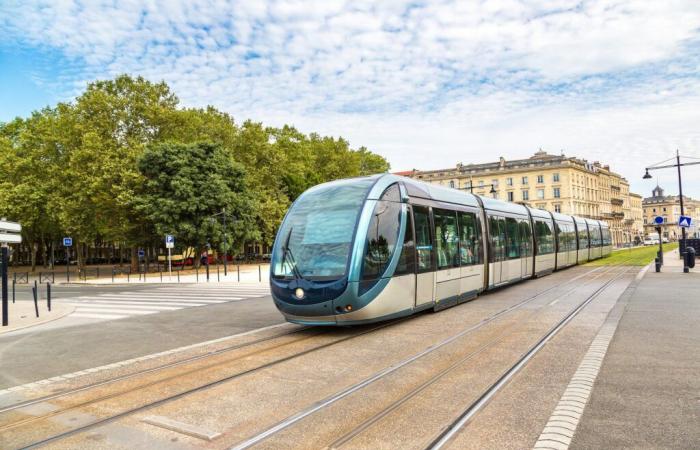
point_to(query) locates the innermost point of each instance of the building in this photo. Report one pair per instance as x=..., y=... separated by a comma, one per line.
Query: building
x=554, y=182
x=668, y=207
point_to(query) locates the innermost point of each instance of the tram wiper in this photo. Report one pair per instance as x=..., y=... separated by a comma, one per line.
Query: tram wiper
x=287, y=253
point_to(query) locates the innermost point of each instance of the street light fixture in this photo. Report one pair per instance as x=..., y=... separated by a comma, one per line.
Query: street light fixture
x=678, y=166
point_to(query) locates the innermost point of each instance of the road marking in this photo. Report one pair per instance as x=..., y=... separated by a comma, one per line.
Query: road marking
x=561, y=427
x=98, y=316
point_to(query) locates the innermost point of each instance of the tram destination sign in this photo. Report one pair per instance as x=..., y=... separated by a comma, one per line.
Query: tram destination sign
x=10, y=232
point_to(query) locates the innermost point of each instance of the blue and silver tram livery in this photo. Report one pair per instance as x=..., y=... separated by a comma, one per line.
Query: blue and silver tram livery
x=374, y=248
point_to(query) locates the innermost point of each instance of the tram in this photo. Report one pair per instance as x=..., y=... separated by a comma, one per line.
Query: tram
x=374, y=248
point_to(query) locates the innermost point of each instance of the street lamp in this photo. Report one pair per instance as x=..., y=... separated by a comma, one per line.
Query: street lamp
x=677, y=165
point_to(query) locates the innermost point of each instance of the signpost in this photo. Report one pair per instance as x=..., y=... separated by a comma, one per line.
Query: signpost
x=9, y=234
x=68, y=243
x=169, y=244
x=684, y=221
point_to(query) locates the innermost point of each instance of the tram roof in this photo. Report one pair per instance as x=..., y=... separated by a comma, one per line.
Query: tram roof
x=562, y=217
x=539, y=213
x=437, y=193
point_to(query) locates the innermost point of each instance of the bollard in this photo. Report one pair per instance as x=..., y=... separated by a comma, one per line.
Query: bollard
x=259, y=274
x=217, y=272
x=13, y=290
x=196, y=271
x=48, y=295
x=128, y=276
x=113, y=270
x=144, y=275
x=657, y=264
x=161, y=276
x=207, y=270
x=238, y=269
x=178, y=276
x=36, y=301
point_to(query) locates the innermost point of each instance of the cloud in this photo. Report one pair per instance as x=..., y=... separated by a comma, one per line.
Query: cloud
x=427, y=84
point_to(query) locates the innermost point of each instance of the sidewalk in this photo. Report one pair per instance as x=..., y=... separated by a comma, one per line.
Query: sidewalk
x=673, y=263
x=646, y=394
x=23, y=315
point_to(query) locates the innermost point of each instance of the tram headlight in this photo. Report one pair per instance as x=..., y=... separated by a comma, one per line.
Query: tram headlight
x=299, y=293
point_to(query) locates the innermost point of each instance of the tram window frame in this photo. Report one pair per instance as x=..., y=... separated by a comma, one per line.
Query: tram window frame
x=470, y=248
x=541, y=249
x=443, y=246
x=407, y=259
x=498, y=253
x=525, y=230
x=512, y=238
x=583, y=233
x=420, y=210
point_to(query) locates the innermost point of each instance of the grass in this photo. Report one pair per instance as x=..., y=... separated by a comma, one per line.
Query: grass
x=639, y=256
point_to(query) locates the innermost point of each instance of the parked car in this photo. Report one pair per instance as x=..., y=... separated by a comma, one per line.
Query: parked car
x=651, y=241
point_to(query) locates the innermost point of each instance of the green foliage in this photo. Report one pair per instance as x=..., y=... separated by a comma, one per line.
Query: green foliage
x=637, y=256
x=122, y=164
x=185, y=185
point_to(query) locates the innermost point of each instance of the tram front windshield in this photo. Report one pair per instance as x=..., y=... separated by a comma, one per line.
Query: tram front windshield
x=316, y=237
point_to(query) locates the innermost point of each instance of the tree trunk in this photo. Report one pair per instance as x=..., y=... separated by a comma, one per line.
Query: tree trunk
x=44, y=253
x=33, y=248
x=134, y=260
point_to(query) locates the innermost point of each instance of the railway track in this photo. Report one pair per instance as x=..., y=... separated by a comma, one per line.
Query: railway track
x=56, y=436
x=328, y=401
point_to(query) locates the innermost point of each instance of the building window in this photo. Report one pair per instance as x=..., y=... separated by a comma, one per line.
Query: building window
x=557, y=208
x=509, y=181
x=557, y=193
x=510, y=196
x=495, y=184
x=540, y=193
x=481, y=183
x=664, y=209
x=653, y=210
x=526, y=195
x=555, y=178
x=524, y=180
x=452, y=184
x=540, y=178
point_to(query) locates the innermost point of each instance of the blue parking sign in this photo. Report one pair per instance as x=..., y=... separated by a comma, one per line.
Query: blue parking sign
x=142, y=253
x=67, y=241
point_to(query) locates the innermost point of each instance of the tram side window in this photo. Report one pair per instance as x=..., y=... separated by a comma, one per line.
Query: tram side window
x=381, y=239
x=424, y=244
x=469, y=239
x=497, y=232
x=408, y=252
x=582, y=237
x=570, y=237
x=525, y=238
x=446, y=238
x=545, y=242
x=512, y=238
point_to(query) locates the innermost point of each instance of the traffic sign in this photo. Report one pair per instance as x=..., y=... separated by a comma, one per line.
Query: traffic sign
x=67, y=241
x=169, y=241
x=10, y=232
x=142, y=253
x=684, y=221
x=658, y=220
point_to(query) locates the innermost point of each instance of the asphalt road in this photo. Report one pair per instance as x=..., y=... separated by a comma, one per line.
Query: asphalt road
x=57, y=350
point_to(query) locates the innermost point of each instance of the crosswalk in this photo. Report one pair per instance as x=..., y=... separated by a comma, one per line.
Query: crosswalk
x=118, y=305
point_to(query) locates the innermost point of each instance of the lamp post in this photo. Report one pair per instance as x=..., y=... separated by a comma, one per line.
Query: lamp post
x=471, y=187
x=677, y=165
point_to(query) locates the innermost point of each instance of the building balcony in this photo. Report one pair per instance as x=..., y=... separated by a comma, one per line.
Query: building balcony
x=616, y=201
x=618, y=215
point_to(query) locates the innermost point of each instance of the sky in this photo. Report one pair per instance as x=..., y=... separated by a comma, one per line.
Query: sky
x=427, y=84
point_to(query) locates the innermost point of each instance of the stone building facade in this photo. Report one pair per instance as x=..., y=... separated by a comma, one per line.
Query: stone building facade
x=669, y=208
x=559, y=183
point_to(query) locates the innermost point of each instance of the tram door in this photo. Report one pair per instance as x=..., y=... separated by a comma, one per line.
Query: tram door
x=497, y=232
x=425, y=260
x=525, y=247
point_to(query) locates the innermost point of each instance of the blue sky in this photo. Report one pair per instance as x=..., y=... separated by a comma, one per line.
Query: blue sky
x=426, y=84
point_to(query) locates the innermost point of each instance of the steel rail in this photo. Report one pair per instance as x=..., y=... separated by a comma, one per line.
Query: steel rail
x=453, y=429
x=371, y=421
x=291, y=420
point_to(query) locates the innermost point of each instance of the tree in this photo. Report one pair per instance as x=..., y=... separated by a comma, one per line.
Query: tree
x=185, y=184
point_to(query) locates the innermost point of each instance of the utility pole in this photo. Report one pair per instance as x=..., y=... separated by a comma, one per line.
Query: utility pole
x=223, y=213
